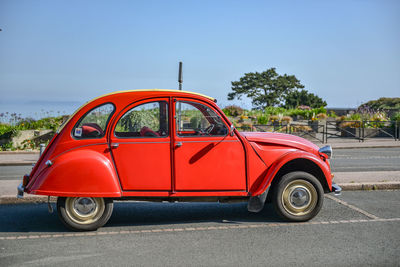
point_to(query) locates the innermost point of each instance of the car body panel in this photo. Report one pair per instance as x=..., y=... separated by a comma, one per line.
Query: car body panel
x=208, y=163
x=281, y=139
x=143, y=164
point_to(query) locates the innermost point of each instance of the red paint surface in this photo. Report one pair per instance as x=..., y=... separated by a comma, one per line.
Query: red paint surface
x=236, y=165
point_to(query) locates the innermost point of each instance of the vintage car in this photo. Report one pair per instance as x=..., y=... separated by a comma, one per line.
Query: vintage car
x=170, y=145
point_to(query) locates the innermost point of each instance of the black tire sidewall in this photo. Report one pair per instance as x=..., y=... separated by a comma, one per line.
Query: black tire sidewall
x=283, y=182
x=62, y=214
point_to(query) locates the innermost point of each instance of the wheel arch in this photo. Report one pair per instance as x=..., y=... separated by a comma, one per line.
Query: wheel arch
x=300, y=164
x=294, y=161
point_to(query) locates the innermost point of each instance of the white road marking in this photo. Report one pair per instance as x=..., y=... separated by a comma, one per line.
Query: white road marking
x=344, y=203
x=191, y=229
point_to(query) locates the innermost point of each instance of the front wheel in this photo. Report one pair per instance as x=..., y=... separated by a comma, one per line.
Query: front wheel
x=84, y=213
x=298, y=196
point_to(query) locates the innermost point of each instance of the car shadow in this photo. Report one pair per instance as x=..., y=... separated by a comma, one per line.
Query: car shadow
x=35, y=218
x=148, y=213
x=27, y=218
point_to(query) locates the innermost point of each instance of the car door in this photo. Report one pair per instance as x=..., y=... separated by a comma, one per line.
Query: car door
x=141, y=147
x=206, y=157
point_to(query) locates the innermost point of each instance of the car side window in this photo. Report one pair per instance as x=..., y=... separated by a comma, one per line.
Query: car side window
x=195, y=119
x=145, y=120
x=93, y=124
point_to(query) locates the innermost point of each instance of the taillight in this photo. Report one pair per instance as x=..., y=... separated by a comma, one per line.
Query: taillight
x=25, y=181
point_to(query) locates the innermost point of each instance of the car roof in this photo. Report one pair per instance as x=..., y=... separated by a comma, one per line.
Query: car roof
x=131, y=91
x=153, y=90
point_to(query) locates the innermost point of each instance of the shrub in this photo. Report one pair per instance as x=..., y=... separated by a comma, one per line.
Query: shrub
x=233, y=110
x=287, y=119
x=379, y=116
x=7, y=131
x=263, y=119
x=304, y=107
x=383, y=103
x=322, y=116
x=274, y=110
x=395, y=116
x=332, y=114
x=274, y=118
x=301, y=128
x=354, y=117
x=351, y=124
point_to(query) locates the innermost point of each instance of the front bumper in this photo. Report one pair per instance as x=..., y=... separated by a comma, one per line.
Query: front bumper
x=336, y=189
x=20, y=189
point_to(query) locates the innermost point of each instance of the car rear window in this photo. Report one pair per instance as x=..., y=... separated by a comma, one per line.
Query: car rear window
x=94, y=123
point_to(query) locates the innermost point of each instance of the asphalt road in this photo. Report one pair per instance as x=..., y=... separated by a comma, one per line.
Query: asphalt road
x=363, y=229
x=366, y=159
x=344, y=160
x=14, y=172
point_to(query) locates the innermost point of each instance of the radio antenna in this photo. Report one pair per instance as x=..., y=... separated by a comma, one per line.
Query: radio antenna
x=180, y=80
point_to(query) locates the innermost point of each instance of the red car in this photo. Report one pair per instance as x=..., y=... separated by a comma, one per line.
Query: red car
x=169, y=145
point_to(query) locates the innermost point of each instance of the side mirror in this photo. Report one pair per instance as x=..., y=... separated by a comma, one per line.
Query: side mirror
x=232, y=128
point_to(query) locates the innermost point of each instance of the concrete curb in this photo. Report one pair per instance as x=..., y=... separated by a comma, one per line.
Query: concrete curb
x=18, y=163
x=370, y=186
x=19, y=152
x=10, y=199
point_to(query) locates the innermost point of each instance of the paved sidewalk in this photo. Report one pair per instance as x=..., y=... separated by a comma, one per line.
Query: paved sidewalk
x=18, y=158
x=345, y=143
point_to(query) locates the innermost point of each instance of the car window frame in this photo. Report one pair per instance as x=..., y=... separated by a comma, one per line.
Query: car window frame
x=178, y=99
x=136, y=104
x=85, y=114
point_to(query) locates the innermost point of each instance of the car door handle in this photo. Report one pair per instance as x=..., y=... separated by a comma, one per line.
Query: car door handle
x=114, y=145
x=178, y=144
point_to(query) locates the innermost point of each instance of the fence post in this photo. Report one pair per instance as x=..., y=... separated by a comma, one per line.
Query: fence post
x=362, y=131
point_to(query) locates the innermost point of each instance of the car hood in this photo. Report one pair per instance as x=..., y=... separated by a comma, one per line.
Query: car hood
x=287, y=140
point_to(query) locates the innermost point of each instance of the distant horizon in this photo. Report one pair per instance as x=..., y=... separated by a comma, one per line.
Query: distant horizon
x=37, y=109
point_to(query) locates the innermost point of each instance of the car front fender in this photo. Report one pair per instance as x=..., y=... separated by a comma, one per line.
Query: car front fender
x=286, y=158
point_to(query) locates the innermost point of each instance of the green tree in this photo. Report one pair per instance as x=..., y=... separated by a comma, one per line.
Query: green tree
x=267, y=88
x=303, y=97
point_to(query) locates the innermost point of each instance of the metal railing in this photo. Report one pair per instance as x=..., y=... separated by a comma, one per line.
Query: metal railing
x=321, y=131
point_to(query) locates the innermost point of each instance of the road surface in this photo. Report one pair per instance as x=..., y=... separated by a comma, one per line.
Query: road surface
x=356, y=229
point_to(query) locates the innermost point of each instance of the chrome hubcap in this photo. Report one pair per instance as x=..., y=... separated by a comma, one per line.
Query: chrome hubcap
x=84, y=205
x=299, y=197
x=84, y=210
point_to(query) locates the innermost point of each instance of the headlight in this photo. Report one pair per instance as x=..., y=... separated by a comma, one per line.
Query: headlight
x=326, y=150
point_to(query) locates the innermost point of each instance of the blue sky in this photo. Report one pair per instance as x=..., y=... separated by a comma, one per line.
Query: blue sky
x=58, y=54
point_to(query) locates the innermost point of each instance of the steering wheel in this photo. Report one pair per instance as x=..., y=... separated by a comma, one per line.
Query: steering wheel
x=207, y=130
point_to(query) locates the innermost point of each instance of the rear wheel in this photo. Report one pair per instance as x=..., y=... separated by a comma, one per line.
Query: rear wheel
x=84, y=213
x=298, y=196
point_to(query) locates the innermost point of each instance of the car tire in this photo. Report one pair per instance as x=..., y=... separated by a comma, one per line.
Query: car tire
x=298, y=196
x=84, y=213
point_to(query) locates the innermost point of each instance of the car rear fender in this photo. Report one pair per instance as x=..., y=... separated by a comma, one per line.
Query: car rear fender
x=83, y=172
